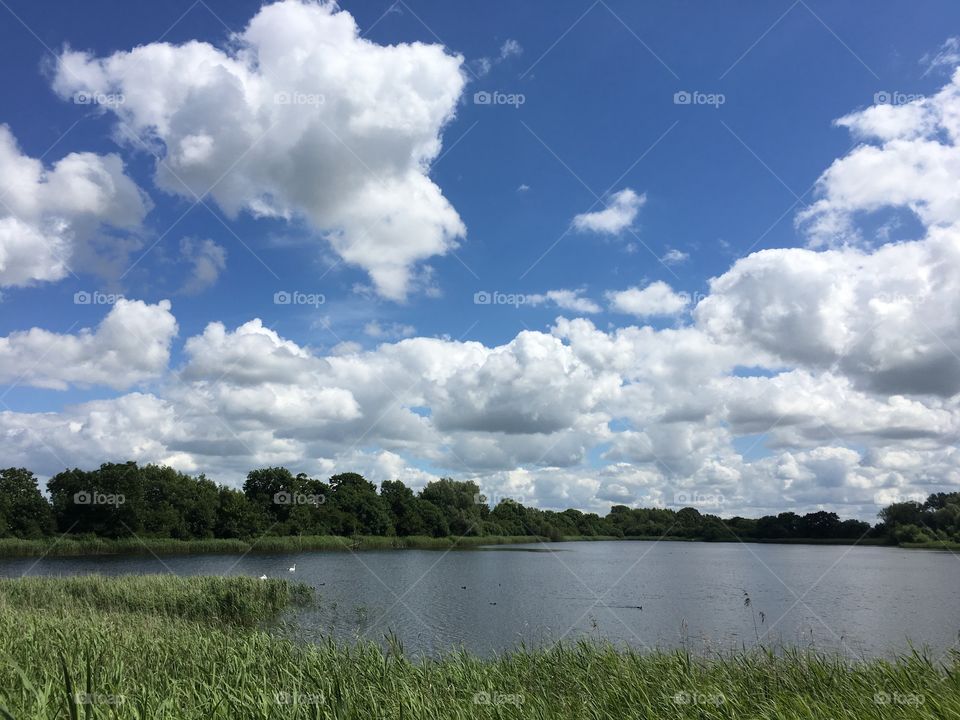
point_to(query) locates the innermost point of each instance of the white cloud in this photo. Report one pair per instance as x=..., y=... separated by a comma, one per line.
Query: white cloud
x=885, y=318
x=657, y=298
x=131, y=345
x=948, y=55
x=675, y=257
x=207, y=260
x=483, y=66
x=390, y=331
x=840, y=364
x=519, y=418
x=572, y=300
x=510, y=48
x=913, y=166
x=300, y=117
x=51, y=219
x=616, y=217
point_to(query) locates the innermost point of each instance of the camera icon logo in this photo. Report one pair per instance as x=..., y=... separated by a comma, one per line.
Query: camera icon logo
x=682, y=98
x=82, y=498
x=482, y=98
x=282, y=298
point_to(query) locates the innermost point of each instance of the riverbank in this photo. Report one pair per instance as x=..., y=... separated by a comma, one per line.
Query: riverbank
x=70, y=547
x=114, y=648
x=66, y=546
x=933, y=545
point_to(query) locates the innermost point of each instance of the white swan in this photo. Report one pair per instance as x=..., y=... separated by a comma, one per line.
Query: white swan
x=294, y=568
x=263, y=577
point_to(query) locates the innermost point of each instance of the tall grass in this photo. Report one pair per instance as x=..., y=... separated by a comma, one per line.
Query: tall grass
x=233, y=601
x=123, y=659
x=68, y=547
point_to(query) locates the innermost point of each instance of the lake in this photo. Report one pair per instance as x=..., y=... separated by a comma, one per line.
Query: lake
x=861, y=601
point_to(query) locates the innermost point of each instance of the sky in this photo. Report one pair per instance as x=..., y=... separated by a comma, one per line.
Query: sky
x=584, y=254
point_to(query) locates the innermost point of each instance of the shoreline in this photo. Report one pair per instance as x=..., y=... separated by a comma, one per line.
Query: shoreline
x=13, y=548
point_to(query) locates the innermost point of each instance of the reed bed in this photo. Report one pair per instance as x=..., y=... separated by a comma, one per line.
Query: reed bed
x=220, y=600
x=120, y=658
x=70, y=547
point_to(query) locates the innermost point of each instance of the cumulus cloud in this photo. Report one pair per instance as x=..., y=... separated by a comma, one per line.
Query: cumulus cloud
x=131, y=345
x=909, y=160
x=52, y=220
x=657, y=298
x=886, y=317
x=616, y=217
x=661, y=407
x=299, y=117
x=837, y=363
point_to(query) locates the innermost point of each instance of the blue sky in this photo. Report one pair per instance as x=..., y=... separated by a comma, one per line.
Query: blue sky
x=598, y=115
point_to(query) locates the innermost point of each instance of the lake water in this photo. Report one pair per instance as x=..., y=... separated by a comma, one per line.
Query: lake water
x=861, y=601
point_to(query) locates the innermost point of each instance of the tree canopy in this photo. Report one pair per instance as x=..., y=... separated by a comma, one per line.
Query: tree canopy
x=124, y=499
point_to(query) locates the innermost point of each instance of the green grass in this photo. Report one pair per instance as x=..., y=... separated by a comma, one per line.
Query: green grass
x=115, y=648
x=69, y=546
x=932, y=545
x=233, y=601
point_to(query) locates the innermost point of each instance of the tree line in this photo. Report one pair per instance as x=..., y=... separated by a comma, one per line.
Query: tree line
x=124, y=499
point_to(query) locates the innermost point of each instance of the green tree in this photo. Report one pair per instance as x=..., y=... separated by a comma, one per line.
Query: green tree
x=459, y=502
x=361, y=509
x=237, y=516
x=403, y=507
x=107, y=502
x=24, y=512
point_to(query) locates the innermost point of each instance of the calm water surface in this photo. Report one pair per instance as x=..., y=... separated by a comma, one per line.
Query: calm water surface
x=863, y=601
